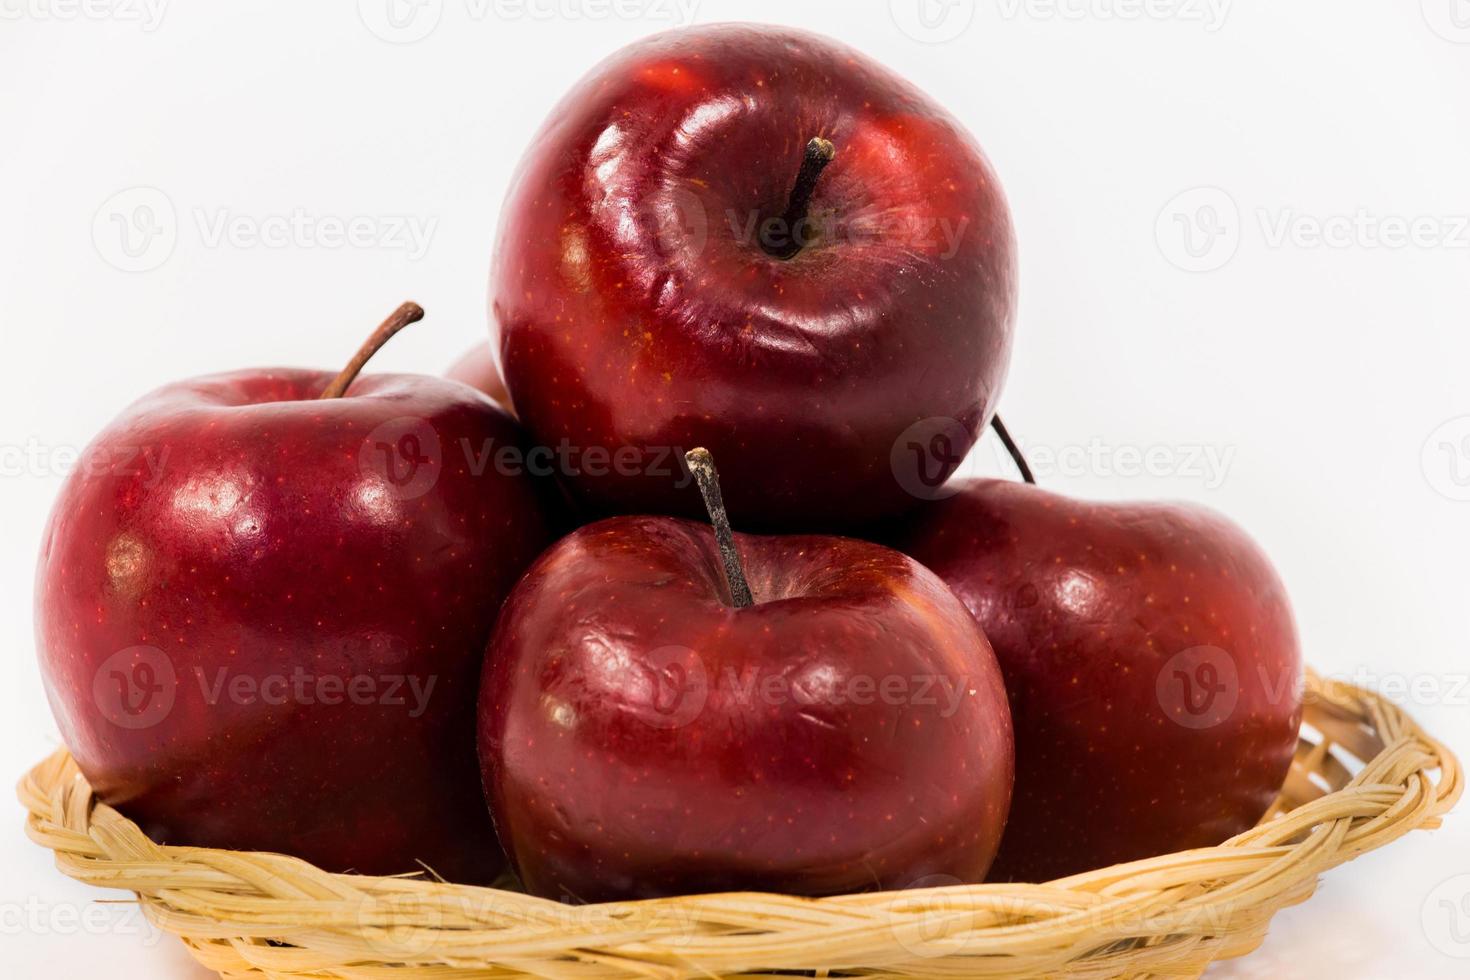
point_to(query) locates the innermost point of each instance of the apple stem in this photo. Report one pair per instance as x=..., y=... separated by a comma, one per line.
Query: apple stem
x=1016, y=455
x=819, y=152
x=409, y=312
x=702, y=465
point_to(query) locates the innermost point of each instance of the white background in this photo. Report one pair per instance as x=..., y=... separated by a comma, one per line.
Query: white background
x=1328, y=380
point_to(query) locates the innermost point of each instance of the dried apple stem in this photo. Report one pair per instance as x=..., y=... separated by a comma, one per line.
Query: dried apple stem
x=407, y=313
x=818, y=154
x=1017, y=456
x=702, y=465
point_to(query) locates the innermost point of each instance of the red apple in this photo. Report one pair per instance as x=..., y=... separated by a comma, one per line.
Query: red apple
x=651, y=724
x=477, y=369
x=260, y=613
x=759, y=241
x=1151, y=660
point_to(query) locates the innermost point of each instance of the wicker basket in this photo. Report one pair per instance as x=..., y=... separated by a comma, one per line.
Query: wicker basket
x=1361, y=778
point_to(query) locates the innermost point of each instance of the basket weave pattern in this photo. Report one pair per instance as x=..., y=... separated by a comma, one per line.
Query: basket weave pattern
x=1362, y=777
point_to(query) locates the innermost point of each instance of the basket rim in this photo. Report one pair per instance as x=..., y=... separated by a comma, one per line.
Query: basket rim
x=263, y=914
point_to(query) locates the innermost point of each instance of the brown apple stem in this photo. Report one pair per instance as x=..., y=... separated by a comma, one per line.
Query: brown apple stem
x=819, y=152
x=702, y=465
x=1016, y=455
x=409, y=312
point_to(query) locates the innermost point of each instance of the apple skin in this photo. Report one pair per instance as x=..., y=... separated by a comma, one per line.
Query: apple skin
x=621, y=764
x=634, y=306
x=477, y=369
x=1093, y=610
x=264, y=539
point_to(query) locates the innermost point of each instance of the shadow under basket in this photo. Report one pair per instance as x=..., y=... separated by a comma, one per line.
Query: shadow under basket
x=1364, y=775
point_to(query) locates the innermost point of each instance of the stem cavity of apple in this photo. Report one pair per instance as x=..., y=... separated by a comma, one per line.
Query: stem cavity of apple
x=702, y=465
x=819, y=152
x=409, y=312
x=1017, y=456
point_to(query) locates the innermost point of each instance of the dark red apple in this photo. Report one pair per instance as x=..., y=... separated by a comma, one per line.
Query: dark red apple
x=261, y=613
x=477, y=369
x=1151, y=660
x=759, y=241
x=646, y=728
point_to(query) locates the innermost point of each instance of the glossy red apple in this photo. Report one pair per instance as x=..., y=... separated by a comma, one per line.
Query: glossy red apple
x=1151, y=660
x=477, y=369
x=647, y=729
x=759, y=241
x=260, y=613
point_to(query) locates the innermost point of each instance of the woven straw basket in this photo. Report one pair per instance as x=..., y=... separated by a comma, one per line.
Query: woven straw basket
x=1362, y=777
